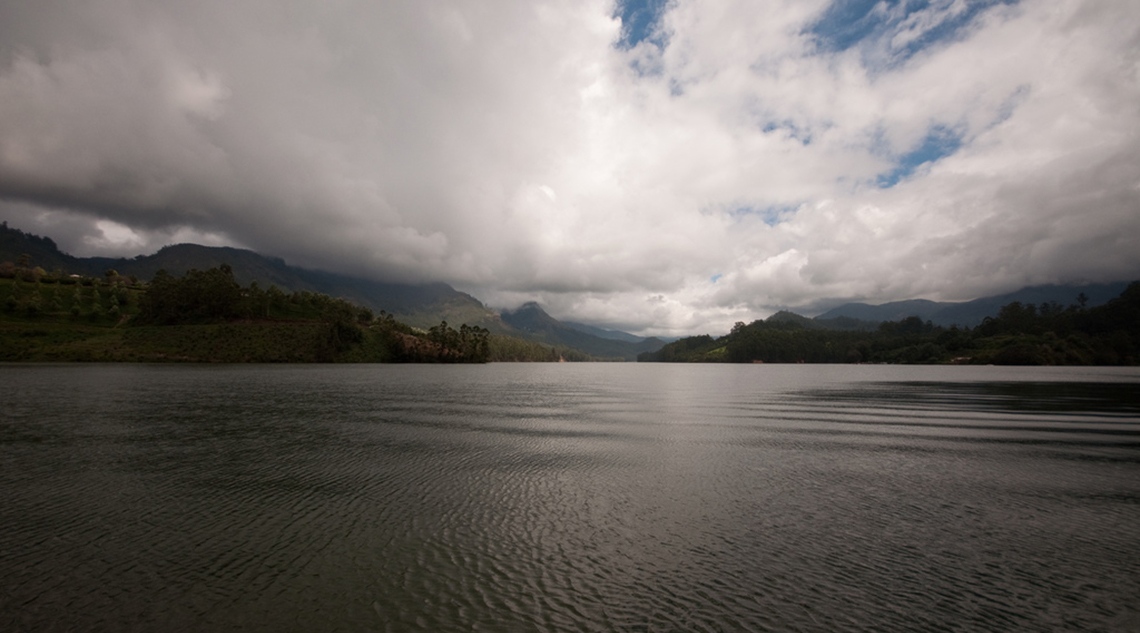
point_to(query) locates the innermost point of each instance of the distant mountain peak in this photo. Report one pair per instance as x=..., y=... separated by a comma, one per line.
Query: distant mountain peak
x=532, y=319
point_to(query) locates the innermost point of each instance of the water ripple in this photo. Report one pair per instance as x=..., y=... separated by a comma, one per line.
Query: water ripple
x=626, y=498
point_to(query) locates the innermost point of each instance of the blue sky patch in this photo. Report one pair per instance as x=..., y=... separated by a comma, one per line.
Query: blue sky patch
x=790, y=130
x=639, y=19
x=874, y=25
x=939, y=143
x=771, y=215
x=846, y=23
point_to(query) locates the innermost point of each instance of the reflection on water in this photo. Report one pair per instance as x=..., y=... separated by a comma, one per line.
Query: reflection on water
x=1090, y=398
x=596, y=497
x=1067, y=414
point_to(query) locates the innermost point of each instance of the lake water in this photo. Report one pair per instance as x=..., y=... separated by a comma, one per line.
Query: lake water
x=524, y=497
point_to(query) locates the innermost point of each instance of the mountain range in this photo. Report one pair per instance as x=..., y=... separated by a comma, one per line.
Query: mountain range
x=972, y=313
x=540, y=326
x=418, y=305
x=425, y=305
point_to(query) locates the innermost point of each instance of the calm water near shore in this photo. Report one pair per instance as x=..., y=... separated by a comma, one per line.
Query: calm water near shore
x=531, y=497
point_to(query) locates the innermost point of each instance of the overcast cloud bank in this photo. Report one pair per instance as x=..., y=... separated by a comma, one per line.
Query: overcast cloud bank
x=720, y=161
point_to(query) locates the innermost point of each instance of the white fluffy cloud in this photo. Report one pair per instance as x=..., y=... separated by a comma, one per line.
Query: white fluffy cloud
x=514, y=150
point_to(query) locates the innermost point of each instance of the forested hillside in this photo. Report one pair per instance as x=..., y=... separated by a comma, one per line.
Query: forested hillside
x=420, y=305
x=207, y=316
x=1021, y=334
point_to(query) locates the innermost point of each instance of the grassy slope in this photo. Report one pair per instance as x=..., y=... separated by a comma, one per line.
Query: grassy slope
x=53, y=333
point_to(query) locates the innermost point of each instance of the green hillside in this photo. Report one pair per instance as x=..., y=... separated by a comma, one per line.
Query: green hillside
x=421, y=305
x=206, y=316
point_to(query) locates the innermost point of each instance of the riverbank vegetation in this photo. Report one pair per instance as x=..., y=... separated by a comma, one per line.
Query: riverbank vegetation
x=1049, y=334
x=206, y=316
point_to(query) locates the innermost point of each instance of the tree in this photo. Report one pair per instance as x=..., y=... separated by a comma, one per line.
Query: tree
x=35, y=303
x=199, y=296
x=468, y=344
x=256, y=301
x=341, y=330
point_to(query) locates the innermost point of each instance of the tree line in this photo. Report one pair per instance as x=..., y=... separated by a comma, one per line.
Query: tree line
x=212, y=298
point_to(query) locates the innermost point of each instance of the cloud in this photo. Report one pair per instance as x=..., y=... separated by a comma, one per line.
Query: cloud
x=803, y=152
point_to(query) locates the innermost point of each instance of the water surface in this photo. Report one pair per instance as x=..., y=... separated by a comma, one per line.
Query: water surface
x=569, y=497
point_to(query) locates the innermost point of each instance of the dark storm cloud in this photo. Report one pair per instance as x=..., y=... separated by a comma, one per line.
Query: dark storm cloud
x=520, y=151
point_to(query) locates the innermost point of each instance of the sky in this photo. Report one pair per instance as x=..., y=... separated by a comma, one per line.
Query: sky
x=659, y=167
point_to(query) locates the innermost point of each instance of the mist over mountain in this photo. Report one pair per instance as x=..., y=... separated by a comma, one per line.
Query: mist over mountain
x=972, y=313
x=425, y=305
x=892, y=311
x=617, y=335
x=532, y=319
x=419, y=305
